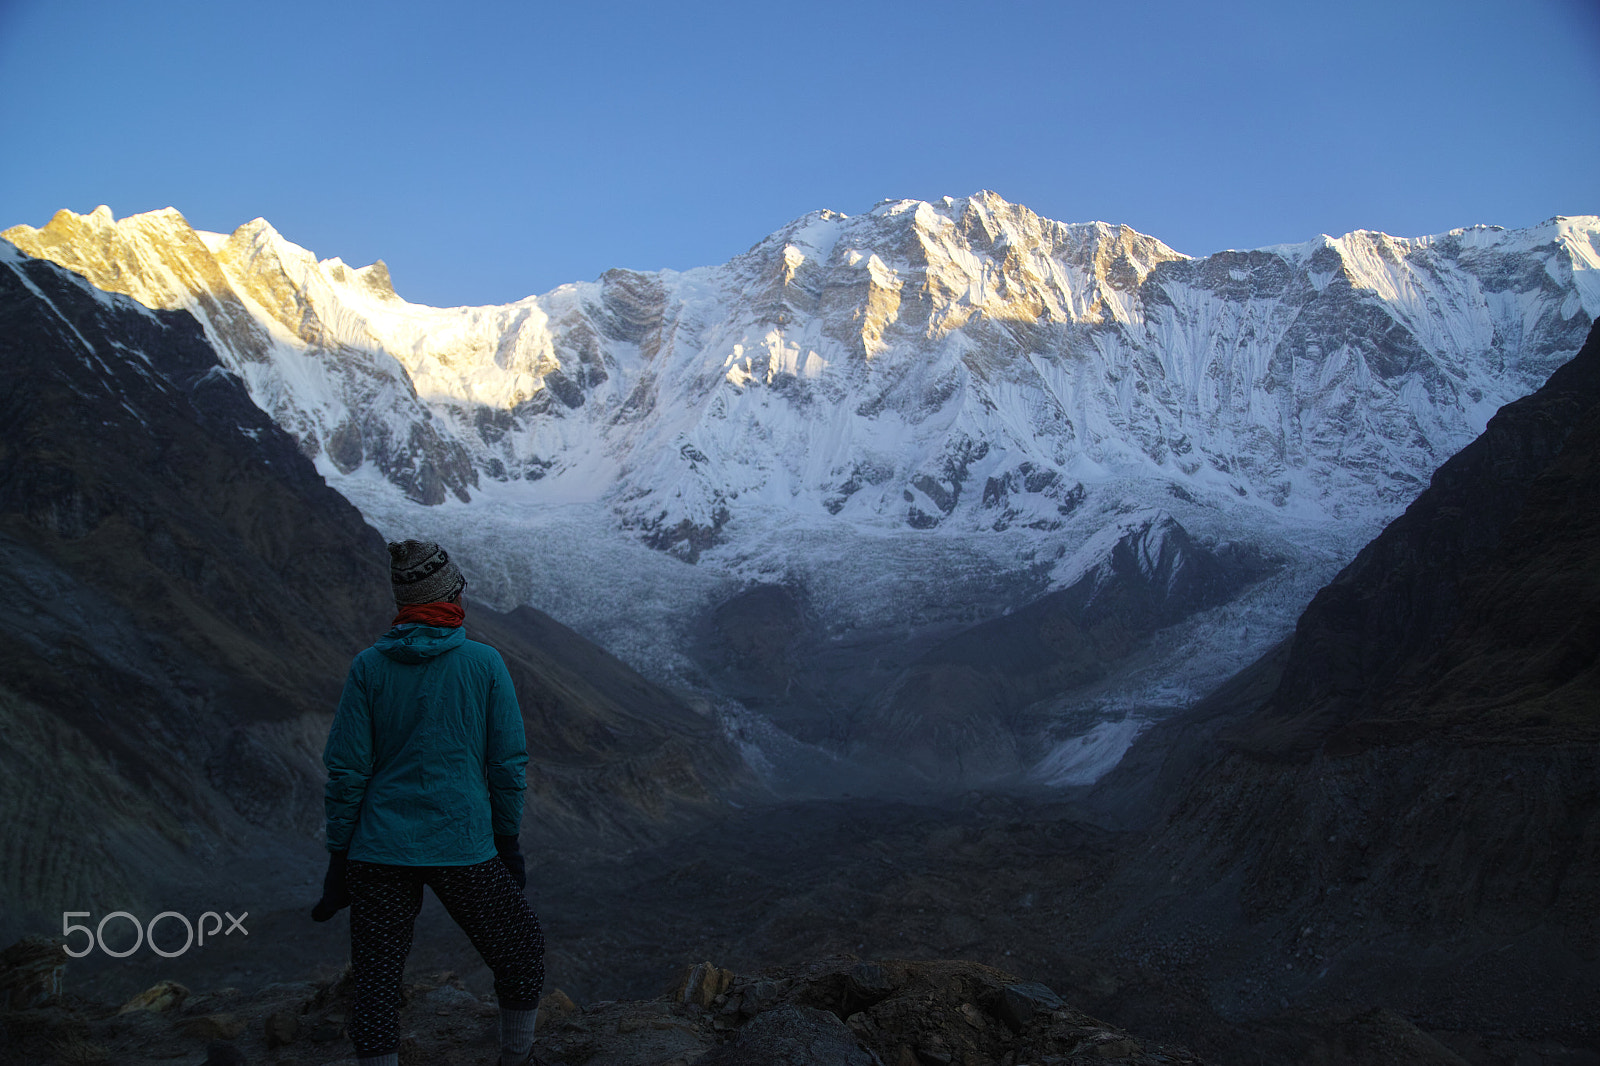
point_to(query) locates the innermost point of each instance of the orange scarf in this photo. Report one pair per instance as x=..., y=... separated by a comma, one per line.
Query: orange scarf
x=445, y=615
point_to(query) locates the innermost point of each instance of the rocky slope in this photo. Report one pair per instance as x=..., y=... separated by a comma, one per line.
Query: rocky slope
x=1009, y=886
x=185, y=593
x=1400, y=805
x=834, y=1012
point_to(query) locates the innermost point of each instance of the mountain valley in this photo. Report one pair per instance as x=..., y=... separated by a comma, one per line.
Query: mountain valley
x=941, y=583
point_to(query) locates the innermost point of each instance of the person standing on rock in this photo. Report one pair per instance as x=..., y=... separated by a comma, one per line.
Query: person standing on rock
x=426, y=762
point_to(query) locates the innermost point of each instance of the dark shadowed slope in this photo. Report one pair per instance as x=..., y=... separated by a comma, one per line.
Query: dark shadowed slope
x=614, y=757
x=950, y=709
x=966, y=703
x=1476, y=615
x=183, y=596
x=1409, y=815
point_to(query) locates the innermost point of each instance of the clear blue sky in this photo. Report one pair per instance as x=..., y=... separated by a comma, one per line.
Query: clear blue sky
x=489, y=151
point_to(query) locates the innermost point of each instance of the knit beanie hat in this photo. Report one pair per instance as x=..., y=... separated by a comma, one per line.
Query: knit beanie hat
x=422, y=572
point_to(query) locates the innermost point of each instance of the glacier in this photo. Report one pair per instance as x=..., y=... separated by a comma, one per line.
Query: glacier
x=918, y=418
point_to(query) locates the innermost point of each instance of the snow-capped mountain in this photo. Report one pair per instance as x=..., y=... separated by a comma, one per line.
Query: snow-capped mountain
x=969, y=353
x=919, y=418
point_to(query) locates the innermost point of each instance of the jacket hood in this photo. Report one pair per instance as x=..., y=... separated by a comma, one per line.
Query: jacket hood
x=419, y=643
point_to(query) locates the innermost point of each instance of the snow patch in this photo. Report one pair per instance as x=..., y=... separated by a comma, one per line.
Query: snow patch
x=1085, y=759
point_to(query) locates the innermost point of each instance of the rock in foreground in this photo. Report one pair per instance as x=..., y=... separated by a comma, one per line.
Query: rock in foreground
x=837, y=1012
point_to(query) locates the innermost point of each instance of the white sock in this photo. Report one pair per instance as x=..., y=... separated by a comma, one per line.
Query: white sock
x=516, y=1035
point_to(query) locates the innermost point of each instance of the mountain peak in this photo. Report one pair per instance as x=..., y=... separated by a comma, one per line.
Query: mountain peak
x=372, y=280
x=155, y=257
x=927, y=349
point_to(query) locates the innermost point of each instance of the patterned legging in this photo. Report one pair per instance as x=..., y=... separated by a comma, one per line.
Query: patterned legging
x=483, y=900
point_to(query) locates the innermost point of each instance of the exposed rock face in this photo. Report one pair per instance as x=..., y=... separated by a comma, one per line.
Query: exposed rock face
x=792, y=1036
x=1403, y=804
x=186, y=592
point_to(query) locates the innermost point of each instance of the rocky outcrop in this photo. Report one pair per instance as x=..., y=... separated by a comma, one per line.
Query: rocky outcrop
x=31, y=972
x=835, y=1012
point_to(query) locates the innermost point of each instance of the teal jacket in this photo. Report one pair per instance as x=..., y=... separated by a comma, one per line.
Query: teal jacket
x=427, y=753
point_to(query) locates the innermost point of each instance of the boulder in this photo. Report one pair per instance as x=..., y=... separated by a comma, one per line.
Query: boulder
x=281, y=1028
x=162, y=996
x=449, y=999
x=701, y=985
x=1019, y=1002
x=555, y=1006
x=30, y=972
x=792, y=1036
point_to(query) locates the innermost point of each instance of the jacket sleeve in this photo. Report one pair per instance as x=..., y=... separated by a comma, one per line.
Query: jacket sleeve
x=506, y=759
x=348, y=757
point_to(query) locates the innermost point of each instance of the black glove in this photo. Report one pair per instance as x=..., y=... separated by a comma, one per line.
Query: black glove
x=335, y=895
x=510, y=852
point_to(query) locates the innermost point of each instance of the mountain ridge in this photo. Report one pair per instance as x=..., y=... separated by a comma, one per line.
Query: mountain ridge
x=829, y=298
x=916, y=419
